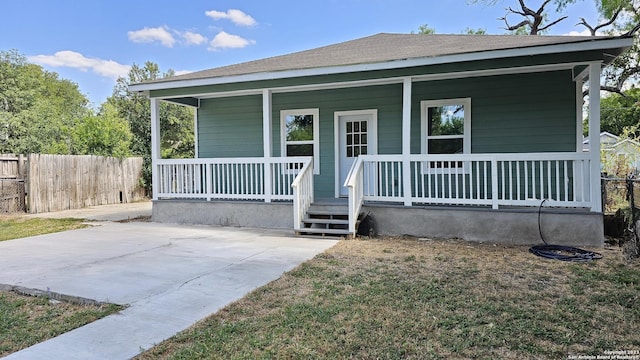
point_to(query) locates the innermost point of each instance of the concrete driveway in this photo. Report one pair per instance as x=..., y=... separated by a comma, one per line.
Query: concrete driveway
x=115, y=212
x=170, y=276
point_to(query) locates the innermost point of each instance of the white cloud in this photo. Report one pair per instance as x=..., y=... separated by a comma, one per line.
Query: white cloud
x=192, y=38
x=72, y=59
x=183, y=72
x=584, y=32
x=146, y=35
x=224, y=41
x=238, y=17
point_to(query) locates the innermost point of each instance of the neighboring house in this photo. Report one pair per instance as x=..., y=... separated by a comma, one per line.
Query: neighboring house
x=433, y=135
x=613, y=145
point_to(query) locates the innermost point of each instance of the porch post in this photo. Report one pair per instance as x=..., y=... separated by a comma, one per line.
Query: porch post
x=406, y=140
x=155, y=146
x=196, y=151
x=266, y=141
x=579, y=117
x=594, y=136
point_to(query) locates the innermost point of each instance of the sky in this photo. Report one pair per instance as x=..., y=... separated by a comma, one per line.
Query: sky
x=92, y=42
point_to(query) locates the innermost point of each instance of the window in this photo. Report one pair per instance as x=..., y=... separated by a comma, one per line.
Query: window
x=300, y=134
x=446, y=128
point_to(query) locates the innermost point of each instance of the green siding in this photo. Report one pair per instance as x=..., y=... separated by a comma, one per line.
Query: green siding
x=510, y=113
x=386, y=98
x=230, y=127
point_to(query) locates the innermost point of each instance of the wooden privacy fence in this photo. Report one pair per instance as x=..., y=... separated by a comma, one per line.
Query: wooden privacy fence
x=61, y=182
x=12, y=183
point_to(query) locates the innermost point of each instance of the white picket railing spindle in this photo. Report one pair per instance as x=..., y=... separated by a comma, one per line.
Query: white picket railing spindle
x=477, y=179
x=228, y=178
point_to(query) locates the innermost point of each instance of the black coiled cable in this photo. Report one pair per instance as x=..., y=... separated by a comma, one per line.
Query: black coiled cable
x=560, y=252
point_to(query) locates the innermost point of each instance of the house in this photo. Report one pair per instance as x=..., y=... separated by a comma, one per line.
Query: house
x=607, y=139
x=613, y=148
x=432, y=135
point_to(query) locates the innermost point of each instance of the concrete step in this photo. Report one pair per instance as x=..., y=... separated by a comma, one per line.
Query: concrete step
x=327, y=218
x=338, y=232
x=339, y=209
x=315, y=213
x=326, y=221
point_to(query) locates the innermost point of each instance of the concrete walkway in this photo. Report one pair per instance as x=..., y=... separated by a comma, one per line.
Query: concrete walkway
x=170, y=276
x=116, y=212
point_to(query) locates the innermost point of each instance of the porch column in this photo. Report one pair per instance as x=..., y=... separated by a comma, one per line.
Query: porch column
x=579, y=117
x=266, y=141
x=594, y=136
x=155, y=146
x=196, y=151
x=406, y=140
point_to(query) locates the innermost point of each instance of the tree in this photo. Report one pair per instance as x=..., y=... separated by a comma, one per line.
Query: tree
x=425, y=29
x=176, y=122
x=620, y=114
x=617, y=17
x=534, y=20
x=478, y=31
x=105, y=133
x=38, y=110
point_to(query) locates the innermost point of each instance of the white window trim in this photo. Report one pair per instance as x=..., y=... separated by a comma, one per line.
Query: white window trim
x=424, y=126
x=316, y=134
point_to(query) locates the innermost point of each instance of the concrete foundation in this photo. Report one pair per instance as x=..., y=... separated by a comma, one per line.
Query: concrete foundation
x=224, y=213
x=510, y=226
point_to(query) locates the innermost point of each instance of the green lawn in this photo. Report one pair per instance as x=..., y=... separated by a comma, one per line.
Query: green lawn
x=27, y=320
x=15, y=227
x=399, y=299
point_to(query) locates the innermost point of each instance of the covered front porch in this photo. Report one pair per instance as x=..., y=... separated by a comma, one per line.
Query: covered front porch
x=479, y=181
x=489, y=181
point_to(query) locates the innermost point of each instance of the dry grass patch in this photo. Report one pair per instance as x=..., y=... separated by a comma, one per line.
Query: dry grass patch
x=408, y=298
x=27, y=320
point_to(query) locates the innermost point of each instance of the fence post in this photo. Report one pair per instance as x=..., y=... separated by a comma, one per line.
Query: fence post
x=634, y=218
x=603, y=193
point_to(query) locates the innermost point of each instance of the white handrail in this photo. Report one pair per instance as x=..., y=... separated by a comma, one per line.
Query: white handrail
x=354, y=184
x=302, y=193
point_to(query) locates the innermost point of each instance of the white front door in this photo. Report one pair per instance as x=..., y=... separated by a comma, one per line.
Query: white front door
x=357, y=135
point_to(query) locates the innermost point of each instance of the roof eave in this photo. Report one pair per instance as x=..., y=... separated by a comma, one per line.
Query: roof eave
x=617, y=43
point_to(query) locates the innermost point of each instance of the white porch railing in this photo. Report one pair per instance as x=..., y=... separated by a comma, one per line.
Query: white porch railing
x=302, y=194
x=228, y=178
x=475, y=179
x=354, y=183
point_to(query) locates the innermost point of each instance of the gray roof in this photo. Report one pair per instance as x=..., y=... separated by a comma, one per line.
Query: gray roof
x=384, y=48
